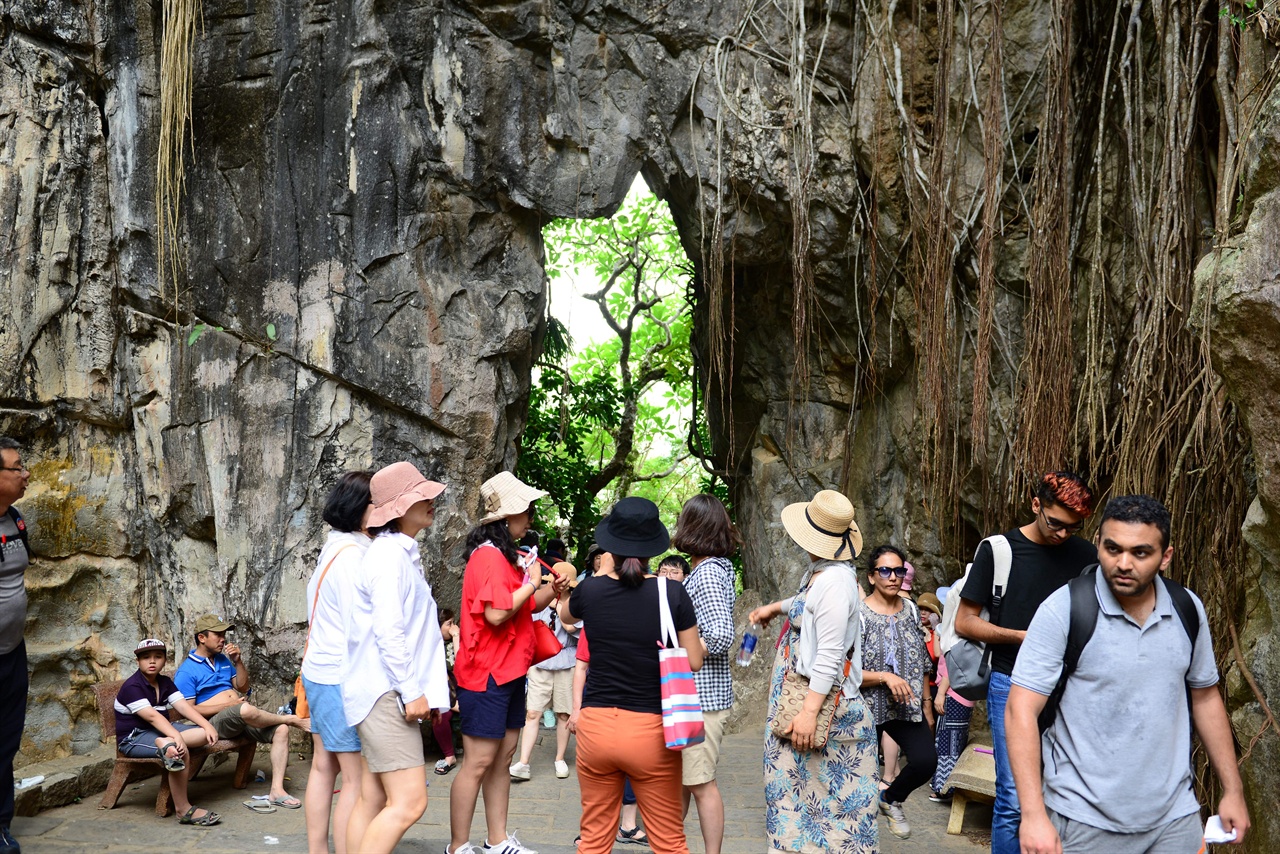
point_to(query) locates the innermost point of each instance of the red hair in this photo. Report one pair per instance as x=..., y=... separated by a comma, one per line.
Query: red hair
x=1068, y=490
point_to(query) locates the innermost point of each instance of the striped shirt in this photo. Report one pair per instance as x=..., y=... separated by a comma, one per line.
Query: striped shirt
x=711, y=588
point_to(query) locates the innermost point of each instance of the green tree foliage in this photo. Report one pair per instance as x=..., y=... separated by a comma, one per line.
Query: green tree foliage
x=613, y=418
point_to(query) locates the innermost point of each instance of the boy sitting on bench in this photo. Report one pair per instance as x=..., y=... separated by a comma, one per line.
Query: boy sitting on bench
x=143, y=728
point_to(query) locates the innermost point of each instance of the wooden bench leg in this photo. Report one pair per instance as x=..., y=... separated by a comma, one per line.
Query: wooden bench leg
x=958, y=802
x=244, y=765
x=119, y=779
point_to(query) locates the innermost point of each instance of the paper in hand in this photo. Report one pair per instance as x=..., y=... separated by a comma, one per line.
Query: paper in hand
x=1214, y=832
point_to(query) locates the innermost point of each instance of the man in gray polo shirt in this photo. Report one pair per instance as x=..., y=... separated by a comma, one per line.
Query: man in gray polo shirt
x=1117, y=759
x=13, y=621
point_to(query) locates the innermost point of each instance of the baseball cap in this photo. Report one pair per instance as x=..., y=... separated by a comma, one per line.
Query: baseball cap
x=149, y=645
x=212, y=623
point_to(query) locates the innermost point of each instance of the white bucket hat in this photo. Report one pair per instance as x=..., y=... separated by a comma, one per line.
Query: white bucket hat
x=824, y=526
x=505, y=495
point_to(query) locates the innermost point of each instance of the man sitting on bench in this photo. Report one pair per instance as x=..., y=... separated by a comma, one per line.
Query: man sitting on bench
x=143, y=729
x=215, y=678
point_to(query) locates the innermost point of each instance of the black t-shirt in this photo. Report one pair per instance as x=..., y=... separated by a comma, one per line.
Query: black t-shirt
x=1036, y=571
x=623, y=629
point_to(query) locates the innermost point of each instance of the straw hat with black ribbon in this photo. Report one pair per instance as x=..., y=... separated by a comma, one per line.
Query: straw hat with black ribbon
x=505, y=495
x=824, y=526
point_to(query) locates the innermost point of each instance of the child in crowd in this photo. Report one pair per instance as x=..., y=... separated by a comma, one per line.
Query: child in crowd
x=143, y=728
x=675, y=568
x=442, y=728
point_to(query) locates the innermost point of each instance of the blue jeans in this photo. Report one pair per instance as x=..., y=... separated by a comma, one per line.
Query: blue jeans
x=1007, y=814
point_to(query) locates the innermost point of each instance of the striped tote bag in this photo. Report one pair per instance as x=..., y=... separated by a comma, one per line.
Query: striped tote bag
x=681, y=711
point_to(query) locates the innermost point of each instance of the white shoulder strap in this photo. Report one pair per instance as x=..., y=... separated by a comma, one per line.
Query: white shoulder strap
x=1002, y=553
x=669, y=639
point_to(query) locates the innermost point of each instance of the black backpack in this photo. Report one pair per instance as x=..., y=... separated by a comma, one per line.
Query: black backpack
x=1084, y=619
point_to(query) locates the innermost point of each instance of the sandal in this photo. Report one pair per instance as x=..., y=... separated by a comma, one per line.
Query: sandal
x=260, y=807
x=171, y=763
x=635, y=836
x=444, y=766
x=288, y=802
x=209, y=818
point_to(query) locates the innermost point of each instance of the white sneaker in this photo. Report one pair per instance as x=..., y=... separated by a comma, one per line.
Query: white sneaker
x=562, y=769
x=519, y=771
x=467, y=848
x=510, y=845
x=897, y=818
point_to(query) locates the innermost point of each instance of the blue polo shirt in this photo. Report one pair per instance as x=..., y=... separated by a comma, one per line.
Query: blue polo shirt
x=199, y=678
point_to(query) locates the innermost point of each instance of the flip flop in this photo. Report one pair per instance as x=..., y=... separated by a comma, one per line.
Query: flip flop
x=288, y=802
x=444, y=766
x=261, y=807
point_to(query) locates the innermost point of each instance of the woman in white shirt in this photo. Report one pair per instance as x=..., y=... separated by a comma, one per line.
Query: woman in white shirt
x=395, y=671
x=821, y=798
x=329, y=593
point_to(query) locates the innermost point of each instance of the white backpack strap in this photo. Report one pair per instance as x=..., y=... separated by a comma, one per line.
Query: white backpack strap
x=1002, y=554
x=669, y=639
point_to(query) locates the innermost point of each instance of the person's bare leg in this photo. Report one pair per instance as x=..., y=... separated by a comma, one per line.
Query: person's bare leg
x=279, y=761
x=629, y=817
x=562, y=735
x=710, y=814
x=352, y=779
x=319, y=799
x=369, y=803
x=497, y=789
x=889, y=748
x=406, y=802
x=529, y=735
x=253, y=716
x=479, y=757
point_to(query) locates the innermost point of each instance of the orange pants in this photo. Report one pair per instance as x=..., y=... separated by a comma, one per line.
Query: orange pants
x=613, y=743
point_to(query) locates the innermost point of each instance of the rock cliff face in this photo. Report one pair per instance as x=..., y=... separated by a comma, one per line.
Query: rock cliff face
x=363, y=281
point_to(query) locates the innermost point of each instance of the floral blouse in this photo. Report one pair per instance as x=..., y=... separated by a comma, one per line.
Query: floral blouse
x=894, y=644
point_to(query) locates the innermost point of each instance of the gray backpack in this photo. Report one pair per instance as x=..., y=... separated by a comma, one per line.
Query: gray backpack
x=969, y=661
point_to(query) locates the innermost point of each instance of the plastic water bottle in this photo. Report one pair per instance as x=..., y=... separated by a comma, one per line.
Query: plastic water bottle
x=747, y=651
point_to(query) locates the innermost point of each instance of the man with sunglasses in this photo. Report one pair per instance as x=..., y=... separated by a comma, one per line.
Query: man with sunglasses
x=1046, y=555
x=14, y=560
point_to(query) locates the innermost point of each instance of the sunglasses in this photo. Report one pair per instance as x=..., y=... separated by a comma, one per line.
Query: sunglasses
x=1054, y=525
x=886, y=571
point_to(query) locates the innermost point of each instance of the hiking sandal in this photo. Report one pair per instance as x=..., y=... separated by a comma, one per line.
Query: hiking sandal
x=635, y=836
x=209, y=818
x=171, y=763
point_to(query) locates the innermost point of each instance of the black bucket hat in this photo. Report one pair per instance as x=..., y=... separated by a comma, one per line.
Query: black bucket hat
x=633, y=529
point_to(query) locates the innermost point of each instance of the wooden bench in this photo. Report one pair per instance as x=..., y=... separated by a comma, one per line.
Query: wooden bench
x=127, y=767
x=973, y=779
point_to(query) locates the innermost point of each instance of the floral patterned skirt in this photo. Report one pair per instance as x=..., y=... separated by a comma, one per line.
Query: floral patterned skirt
x=823, y=800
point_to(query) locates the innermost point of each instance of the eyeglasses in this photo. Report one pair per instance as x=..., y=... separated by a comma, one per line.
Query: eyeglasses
x=1054, y=525
x=886, y=571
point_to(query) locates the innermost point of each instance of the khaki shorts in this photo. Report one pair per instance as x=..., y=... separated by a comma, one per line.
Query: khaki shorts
x=552, y=688
x=387, y=741
x=700, y=760
x=230, y=724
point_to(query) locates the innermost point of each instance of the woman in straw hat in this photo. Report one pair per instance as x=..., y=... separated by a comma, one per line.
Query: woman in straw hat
x=394, y=674
x=895, y=684
x=822, y=798
x=501, y=590
x=619, y=725
x=329, y=593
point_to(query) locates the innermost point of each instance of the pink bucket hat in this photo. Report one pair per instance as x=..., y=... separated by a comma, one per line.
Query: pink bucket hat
x=910, y=578
x=396, y=488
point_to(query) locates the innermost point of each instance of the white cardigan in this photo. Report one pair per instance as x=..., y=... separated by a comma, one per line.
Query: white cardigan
x=393, y=637
x=829, y=628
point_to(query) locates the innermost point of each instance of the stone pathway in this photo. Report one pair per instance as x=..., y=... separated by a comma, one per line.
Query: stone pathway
x=544, y=813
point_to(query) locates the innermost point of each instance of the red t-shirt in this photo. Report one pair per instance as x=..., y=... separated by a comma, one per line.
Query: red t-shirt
x=584, y=653
x=504, y=652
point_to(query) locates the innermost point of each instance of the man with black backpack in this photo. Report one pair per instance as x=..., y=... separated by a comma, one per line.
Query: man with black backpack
x=13, y=619
x=1139, y=672
x=1037, y=559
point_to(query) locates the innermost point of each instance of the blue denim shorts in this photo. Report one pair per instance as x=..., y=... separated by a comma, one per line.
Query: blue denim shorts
x=328, y=718
x=493, y=711
x=141, y=743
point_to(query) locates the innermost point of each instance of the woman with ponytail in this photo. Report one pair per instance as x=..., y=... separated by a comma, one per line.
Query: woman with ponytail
x=620, y=725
